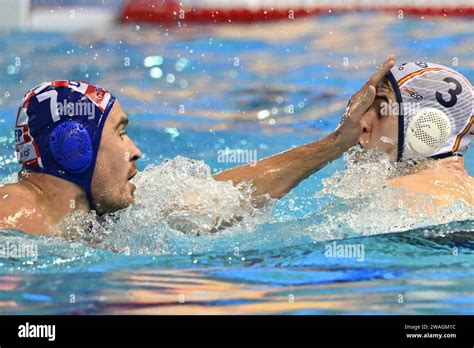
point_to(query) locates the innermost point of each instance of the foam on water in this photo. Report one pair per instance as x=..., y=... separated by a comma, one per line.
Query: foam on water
x=361, y=203
x=283, y=250
x=174, y=202
x=179, y=199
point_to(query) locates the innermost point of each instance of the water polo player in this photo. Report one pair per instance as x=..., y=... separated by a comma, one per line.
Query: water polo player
x=77, y=155
x=424, y=113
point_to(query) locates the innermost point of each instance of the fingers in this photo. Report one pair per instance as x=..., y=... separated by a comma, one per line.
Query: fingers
x=363, y=99
x=363, y=104
x=382, y=71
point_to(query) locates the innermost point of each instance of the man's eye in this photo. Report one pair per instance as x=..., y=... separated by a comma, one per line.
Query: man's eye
x=122, y=133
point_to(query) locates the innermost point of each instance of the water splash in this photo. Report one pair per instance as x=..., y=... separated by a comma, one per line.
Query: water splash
x=174, y=202
x=365, y=172
x=358, y=204
x=361, y=203
x=181, y=195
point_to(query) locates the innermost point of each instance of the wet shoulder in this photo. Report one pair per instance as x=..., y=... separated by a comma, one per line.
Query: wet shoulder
x=10, y=193
x=446, y=186
x=20, y=210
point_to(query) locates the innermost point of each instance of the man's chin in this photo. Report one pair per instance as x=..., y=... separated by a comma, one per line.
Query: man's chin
x=131, y=201
x=114, y=207
x=131, y=186
x=128, y=201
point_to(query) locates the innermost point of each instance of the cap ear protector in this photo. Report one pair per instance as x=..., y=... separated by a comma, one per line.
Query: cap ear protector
x=427, y=132
x=435, y=113
x=71, y=146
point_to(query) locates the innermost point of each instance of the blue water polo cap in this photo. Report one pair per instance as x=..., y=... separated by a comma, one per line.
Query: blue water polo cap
x=59, y=127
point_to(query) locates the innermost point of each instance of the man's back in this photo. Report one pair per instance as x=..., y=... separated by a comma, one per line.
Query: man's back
x=446, y=181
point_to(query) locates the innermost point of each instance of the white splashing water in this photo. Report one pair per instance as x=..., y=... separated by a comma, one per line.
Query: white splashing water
x=362, y=203
x=177, y=196
x=182, y=195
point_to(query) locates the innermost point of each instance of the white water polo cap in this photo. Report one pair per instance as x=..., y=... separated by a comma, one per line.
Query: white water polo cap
x=436, y=110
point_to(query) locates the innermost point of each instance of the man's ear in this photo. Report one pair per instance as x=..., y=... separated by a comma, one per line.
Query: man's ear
x=387, y=89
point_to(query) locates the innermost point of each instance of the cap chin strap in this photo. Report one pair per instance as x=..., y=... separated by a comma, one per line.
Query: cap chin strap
x=445, y=155
x=401, y=121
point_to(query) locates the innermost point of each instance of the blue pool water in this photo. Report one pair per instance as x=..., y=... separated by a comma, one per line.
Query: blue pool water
x=264, y=88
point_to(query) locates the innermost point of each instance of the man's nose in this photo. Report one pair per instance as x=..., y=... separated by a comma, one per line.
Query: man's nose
x=365, y=125
x=135, y=152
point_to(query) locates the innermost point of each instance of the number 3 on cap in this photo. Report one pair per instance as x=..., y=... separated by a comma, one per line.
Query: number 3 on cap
x=452, y=92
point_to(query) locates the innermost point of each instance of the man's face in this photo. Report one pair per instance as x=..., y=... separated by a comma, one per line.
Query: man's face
x=380, y=122
x=115, y=165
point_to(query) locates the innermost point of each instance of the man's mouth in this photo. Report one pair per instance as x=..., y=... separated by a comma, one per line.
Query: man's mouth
x=133, y=175
x=132, y=185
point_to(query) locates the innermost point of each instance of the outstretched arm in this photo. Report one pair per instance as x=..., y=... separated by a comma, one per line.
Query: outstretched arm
x=278, y=174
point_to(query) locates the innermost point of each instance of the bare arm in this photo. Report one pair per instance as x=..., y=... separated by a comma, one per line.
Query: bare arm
x=278, y=174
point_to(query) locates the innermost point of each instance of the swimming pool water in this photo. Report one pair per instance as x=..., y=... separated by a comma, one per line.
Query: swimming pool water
x=263, y=87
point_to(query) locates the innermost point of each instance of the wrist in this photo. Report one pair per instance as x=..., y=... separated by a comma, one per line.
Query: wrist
x=342, y=141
